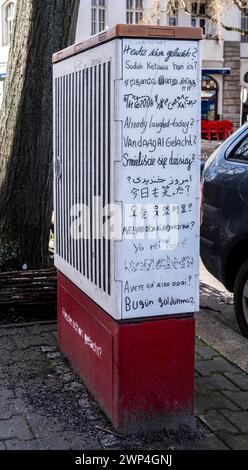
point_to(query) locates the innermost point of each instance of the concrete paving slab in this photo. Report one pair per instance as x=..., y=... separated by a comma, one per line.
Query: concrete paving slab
x=228, y=342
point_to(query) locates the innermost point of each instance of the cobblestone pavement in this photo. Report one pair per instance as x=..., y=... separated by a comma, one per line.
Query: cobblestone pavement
x=43, y=404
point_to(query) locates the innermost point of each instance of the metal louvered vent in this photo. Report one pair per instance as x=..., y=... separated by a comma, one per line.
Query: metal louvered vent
x=83, y=167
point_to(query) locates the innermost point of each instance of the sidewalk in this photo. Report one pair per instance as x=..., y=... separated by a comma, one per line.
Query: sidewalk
x=208, y=147
x=44, y=406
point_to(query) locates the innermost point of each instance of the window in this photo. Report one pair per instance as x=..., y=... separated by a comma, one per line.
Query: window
x=135, y=11
x=198, y=15
x=209, y=98
x=8, y=14
x=172, y=19
x=98, y=16
x=244, y=24
x=240, y=152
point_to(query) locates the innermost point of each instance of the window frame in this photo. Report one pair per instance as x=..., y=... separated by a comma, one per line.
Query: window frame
x=7, y=22
x=205, y=78
x=200, y=19
x=98, y=16
x=231, y=151
x=173, y=17
x=244, y=18
x=134, y=11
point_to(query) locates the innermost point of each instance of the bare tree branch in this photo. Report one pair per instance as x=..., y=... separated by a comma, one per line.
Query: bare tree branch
x=213, y=12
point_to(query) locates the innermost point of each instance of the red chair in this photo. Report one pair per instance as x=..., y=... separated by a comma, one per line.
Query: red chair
x=205, y=130
x=216, y=130
x=227, y=128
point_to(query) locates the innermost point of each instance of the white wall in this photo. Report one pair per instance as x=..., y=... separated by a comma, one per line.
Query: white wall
x=244, y=50
x=243, y=71
x=232, y=18
x=84, y=21
x=213, y=51
x=219, y=80
x=184, y=19
x=116, y=13
x=4, y=50
x=1, y=90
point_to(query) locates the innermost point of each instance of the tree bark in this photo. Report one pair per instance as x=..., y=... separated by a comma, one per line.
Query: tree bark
x=26, y=127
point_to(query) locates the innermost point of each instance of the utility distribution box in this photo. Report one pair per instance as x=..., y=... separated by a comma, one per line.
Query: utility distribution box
x=127, y=174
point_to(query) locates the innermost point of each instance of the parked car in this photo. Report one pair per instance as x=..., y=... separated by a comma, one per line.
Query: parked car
x=224, y=229
x=202, y=166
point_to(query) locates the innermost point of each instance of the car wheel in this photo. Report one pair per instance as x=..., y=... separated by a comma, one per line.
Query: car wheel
x=241, y=299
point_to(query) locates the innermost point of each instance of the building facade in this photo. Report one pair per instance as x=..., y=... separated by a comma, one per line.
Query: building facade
x=7, y=12
x=225, y=60
x=225, y=53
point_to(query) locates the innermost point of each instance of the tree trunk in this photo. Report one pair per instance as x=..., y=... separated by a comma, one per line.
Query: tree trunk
x=26, y=128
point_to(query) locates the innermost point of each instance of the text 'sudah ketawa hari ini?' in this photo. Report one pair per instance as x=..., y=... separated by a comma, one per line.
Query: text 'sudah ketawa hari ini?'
x=127, y=175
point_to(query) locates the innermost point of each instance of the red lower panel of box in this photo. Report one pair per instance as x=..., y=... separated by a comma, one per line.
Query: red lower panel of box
x=141, y=373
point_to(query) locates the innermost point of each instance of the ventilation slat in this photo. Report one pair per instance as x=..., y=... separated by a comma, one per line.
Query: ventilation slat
x=82, y=143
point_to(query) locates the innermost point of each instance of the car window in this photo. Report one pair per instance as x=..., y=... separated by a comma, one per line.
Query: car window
x=240, y=152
